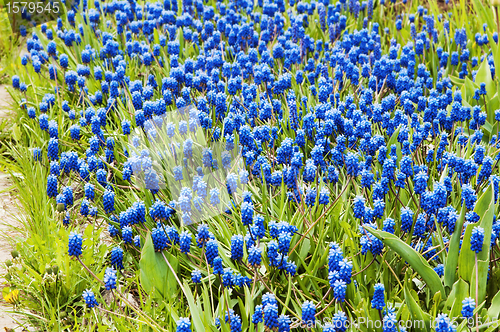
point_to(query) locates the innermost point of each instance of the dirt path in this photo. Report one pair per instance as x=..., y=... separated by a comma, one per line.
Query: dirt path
x=8, y=212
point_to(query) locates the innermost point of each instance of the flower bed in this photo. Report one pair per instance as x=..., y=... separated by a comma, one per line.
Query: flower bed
x=242, y=166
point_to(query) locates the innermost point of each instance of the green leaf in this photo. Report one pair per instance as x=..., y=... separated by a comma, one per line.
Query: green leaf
x=417, y=314
x=485, y=209
x=493, y=103
x=457, y=81
x=417, y=262
x=453, y=251
x=16, y=132
x=494, y=309
x=488, y=126
x=155, y=275
x=466, y=258
x=196, y=312
x=482, y=277
x=394, y=137
x=493, y=326
x=305, y=247
x=459, y=292
x=437, y=300
x=470, y=88
x=483, y=12
x=484, y=76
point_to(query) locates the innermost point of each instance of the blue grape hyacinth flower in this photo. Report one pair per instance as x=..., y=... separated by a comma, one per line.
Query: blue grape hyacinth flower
x=308, y=312
x=75, y=244
x=378, y=300
x=89, y=298
x=476, y=239
x=110, y=278
x=468, y=306
x=183, y=325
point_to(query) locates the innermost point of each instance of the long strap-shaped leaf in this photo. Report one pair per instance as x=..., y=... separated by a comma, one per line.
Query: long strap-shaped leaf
x=450, y=269
x=485, y=208
x=416, y=261
x=417, y=314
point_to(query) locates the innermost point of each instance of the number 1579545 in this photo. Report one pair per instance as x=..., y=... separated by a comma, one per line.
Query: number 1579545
x=15, y=7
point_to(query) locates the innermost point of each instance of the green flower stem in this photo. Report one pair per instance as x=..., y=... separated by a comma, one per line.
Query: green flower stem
x=321, y=216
